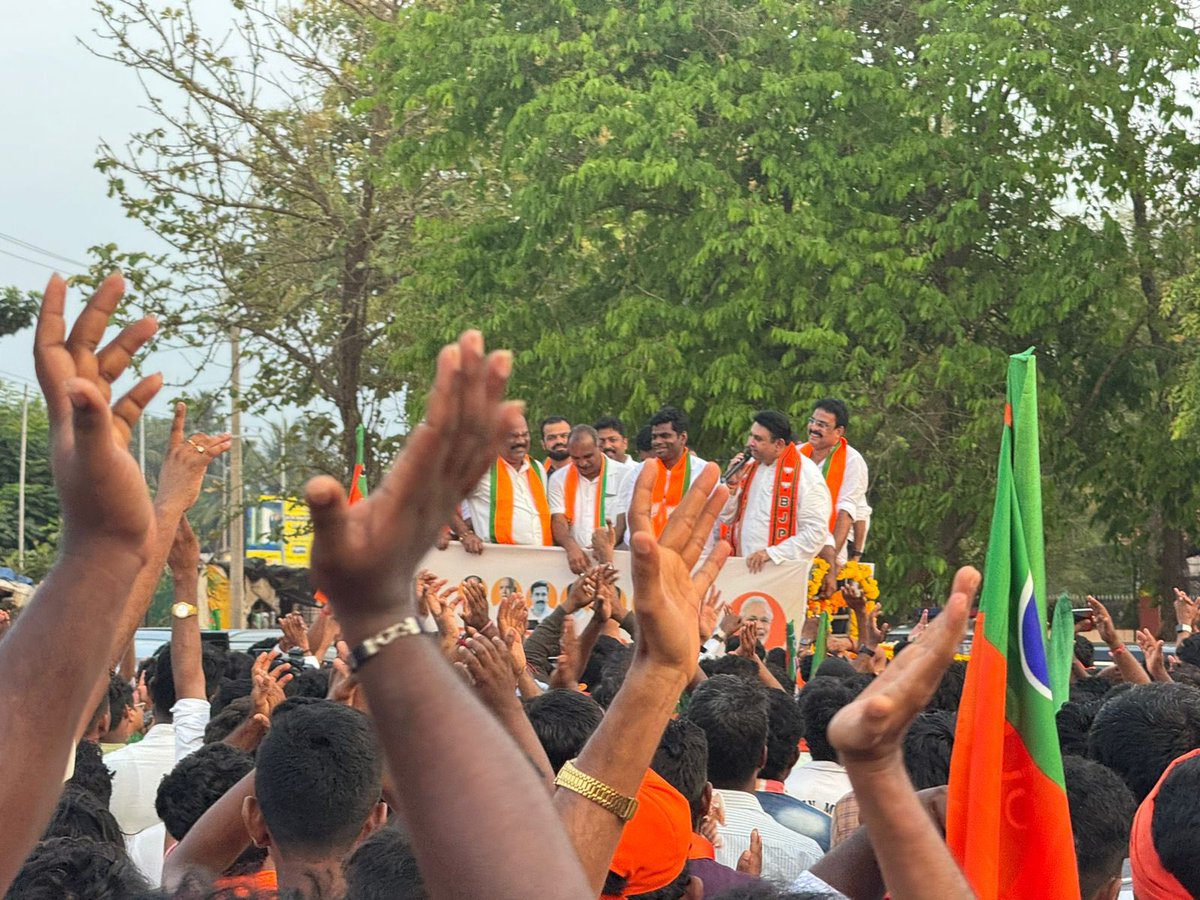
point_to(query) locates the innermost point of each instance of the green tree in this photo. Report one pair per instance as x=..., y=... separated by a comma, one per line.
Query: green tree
x=264, y=178
x=730, y=205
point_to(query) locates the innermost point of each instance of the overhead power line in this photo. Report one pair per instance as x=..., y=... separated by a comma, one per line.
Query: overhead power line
x=42, y=251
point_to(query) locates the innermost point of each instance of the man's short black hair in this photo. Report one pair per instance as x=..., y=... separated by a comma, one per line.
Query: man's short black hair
x=1188, y=650
x=949, y=691
x=836, y=408
x=120, y=698
x=81, y=815
x=775, y=422
x=1084, y=651
x=1073, y=721
x=642, y=440
x=673, y=416
x=198, y=781
x=831, y=667
x=612, y=676
x=550, y=420
x=229, y=690
x=611, y=423
x=162, y=685
x=224, y=723
x=819, y=703
x=91, y=773
x=733, y=713
x=383, y=867
x=308, y=682
x=1140, y=731
x=682, y=760
x=606, y=645
x=563, y=721
x=1101, y=809
x=785, y=727
x=68, y=867
x=1175, y=826
x=1086, y=690
x=927, y=748
x=319, y=774
x=729, y=664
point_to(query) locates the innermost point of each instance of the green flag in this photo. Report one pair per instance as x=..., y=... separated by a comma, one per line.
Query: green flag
x=819, y=646
x=791, y=651
x=1062, y=650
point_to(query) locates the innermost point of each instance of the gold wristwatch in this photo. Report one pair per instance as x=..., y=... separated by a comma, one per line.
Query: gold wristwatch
x=597, y=791
x=184, y=610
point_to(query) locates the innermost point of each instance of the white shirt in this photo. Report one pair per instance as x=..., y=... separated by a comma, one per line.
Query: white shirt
x=190, y=717
x=852, y=498
x=819, y=784
x=137, y=769
x=786, y=854
x=631, y=478
x=813, y=508
x=526, y=525
x=586, y=494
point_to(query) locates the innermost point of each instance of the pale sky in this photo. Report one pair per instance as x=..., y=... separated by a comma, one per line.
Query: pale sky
x=59, y=101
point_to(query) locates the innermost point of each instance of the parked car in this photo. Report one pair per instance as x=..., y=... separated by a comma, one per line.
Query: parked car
x=147, y=640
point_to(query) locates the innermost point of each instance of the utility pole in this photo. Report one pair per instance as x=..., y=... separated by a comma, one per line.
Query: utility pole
x=21, y=480
x=237, y=521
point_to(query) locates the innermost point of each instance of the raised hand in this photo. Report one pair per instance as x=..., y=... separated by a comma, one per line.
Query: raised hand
x=919, y=628
x=100, y=486
x=581, y=593
x=1152, y=649
x=365, y=556
x=475, y=612
x=295, y=633
x=747, y=641
x=184, y=558
x=750, y=862
x=1104, y=623
x=266, y=692
x=186, y=461
x=343, y=683
x=1185, y=609
x=872, y=727
x=486, y=660
x=566, y=668
x=711, y=609
x=604, y=540
x=513, y=614
x=578, y=560
x=668, y=595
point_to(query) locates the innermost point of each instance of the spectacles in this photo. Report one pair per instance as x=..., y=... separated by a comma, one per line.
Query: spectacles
x=821, y=424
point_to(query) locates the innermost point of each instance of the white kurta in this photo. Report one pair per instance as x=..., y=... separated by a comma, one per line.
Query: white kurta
x=527, y=524
x=586, y=494
x=813, y=506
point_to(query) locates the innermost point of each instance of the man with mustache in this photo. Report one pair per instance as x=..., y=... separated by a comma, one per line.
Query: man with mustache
x=509, y=504
x=555, y=432
x=844, y=469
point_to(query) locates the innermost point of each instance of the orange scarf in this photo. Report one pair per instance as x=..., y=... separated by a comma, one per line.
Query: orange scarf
x=502, y=501
x=571, y=488
x=834, y=471
x=783, y=498
x=669, y=488
x=1150, y=877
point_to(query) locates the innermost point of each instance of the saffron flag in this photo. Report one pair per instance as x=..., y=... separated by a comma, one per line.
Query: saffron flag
x=358, y=489
x=1007, y=821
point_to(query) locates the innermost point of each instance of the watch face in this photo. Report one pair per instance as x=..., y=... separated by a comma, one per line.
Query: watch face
x=181, y=610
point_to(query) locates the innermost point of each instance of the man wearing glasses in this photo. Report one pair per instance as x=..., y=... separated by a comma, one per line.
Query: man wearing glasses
x=844, y=469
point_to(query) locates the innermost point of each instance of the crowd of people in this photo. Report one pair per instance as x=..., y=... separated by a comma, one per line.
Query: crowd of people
x=788, y=501
x=416, y=742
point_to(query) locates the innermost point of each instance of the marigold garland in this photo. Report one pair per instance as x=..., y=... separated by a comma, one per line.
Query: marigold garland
x=852, y=571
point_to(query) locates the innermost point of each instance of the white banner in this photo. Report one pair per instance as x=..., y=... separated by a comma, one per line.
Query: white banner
x=543, y=575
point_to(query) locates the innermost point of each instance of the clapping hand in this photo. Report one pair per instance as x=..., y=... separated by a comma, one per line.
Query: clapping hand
x=101, y=491
x=365, y=556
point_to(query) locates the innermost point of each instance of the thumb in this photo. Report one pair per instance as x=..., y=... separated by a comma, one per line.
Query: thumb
x=327, y=506
x=90, y=416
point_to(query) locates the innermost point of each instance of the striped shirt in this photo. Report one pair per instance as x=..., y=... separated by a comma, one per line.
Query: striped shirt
x=786, y=854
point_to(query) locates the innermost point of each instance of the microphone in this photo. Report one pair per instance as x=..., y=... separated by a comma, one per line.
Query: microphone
x=737, y=466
